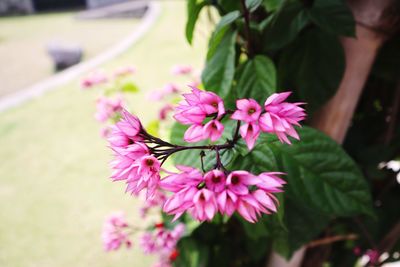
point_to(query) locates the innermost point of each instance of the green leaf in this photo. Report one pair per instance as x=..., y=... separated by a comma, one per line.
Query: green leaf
x=254, y=231
x=303, y=224
x=258, y=79
x=320, y=174
x=272, y=5
x=323, y=182
x=193, y=10
x=129, y=87
x=220, y=31
x=333, y=16
x=283, y=26
x=218, y=73
x=313, y=67
x=252, y=5
x=191, y=253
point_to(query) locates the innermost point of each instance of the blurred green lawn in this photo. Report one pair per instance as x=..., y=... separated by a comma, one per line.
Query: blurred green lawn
x=23, y=42
x=54, y=186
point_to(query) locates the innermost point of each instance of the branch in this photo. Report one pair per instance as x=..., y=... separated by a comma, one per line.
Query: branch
x=390, y=239
x=331, y=239
x=246, y=15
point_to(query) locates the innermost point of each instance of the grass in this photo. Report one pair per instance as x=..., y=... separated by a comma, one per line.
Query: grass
x=54, y=186
x=23, y=42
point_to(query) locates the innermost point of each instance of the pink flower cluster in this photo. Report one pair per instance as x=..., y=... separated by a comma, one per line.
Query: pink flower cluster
x=107, y=108
x=193, y=111
x=278, y=117
x=205, y=195
x=181, y=69
x=167, y=90
x=157, y=200
x=138, y=157
x=133, y=162
x=116, y=232
x=163, y=242
x=93, y=79
x=124, y=71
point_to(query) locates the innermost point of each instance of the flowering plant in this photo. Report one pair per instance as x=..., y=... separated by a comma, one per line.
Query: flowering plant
x=246, y=181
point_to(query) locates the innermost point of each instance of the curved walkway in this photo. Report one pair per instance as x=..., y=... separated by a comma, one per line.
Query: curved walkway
x=69, y=74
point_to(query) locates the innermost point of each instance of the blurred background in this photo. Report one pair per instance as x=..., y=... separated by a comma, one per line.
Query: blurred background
x=54, y=187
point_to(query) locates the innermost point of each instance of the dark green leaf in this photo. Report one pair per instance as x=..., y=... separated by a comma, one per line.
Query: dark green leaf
x=220, y=31
x=333, y=16
x=319, y=173
x=252, y=5
x=272, y=5
x=322, y=183
x=218, y=73
x=303, y=224
x=191, y=253
x=193, y=10
x=254, y=230
x=312, y=66
x=284, y=25
x=258, y=79
x=228, y=5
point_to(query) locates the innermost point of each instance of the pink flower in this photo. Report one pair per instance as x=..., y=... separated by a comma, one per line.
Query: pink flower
x=185, y=188
x=180, y=202
x=260, y=200
x=270, y=182
x=181, y=69
x=197, y=105
x=93, y=79
x=357, y=251
x=148, y=243
x=158, y=200
x=163, y=113
x=249, y=208
x=146, y=175
x=115, y=232
x=215, y=180
x=248, y=110
x=188, y=177
x=205, y=205
x=107, y=108
x=280, y=117
x=194, y=133
x=162, y=240
x=162, y=263
x=124, y=71
x=155, y=95
x=118, y=138
x=373, y=256
x=105, y=132
x=250, y=132
x=170, y=88
x=238, y=182
x=213, y=130
x=130, y=125
x=226, y=201
x=124, y=162
x=195, y=83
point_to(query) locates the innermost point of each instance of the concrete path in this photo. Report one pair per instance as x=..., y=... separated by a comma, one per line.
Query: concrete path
x=69, y=74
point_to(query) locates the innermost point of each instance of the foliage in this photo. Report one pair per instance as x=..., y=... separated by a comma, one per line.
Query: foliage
x=262, y=47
